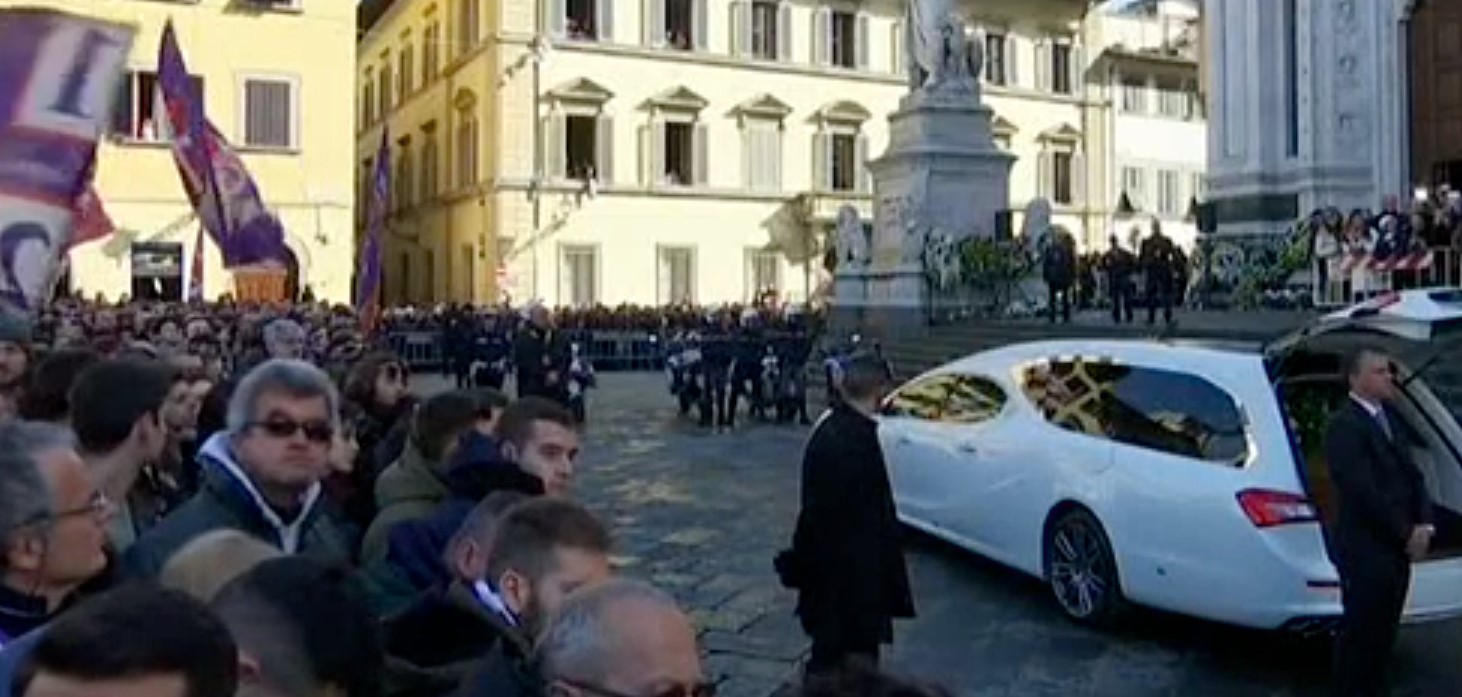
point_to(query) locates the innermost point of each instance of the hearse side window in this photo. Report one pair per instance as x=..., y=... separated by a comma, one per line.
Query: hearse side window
x=1177, y=413
x=973, y=400
x=947, y=398
x=1170, y=412
x=1071, y=394
x=921, y=399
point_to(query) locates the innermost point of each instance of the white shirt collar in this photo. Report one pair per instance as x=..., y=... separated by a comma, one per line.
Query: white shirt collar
x=494, y=602
x=1375, y=410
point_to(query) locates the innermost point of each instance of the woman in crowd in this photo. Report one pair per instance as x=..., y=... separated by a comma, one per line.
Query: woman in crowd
x=378, y=389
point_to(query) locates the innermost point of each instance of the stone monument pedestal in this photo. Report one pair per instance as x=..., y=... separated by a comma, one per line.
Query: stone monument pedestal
x=941, y=175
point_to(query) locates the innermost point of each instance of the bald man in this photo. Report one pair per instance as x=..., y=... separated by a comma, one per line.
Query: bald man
x=621, y=637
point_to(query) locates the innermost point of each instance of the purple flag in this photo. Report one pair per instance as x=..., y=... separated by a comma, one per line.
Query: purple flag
x=223, y=194
x=368, y=285
x=58, y=77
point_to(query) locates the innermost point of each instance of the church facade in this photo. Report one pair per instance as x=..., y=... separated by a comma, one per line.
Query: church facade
x=1310, y=105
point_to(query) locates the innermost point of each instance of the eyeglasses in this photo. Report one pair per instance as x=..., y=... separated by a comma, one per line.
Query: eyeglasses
x=700, y=689
x=315, y=431
x=95, y=507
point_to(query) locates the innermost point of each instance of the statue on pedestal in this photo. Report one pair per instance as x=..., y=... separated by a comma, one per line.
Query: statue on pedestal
x=943, y=56
x=852, y=240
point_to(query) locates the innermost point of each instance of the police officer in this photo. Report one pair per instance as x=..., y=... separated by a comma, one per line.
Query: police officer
x=1158, y=259
x=746, y=367
x=718, y=353
x=1119, y=264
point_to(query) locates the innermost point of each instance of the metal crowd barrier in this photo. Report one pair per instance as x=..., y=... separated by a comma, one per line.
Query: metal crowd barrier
x=1347, y=286
x=606, y=350
x=418, y=349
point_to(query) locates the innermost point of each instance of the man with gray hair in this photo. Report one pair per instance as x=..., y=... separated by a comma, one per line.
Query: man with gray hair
x=284, y=338
x=52, y=525
x=261, y=475
x=621, y=637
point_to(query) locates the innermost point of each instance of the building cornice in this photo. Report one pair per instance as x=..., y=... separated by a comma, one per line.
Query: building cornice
x=525, y=40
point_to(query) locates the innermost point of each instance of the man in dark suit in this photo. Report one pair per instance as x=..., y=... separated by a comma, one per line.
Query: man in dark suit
x=847, y=559
x=541, y=358
x=1383, y=524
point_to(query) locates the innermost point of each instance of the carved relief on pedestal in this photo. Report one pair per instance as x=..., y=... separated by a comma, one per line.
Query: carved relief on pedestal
x=1352, y=81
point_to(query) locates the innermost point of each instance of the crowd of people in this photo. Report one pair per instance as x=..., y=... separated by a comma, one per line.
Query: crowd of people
x=210, y=500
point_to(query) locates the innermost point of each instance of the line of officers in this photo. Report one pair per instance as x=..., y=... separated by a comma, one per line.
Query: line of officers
x=760, y=360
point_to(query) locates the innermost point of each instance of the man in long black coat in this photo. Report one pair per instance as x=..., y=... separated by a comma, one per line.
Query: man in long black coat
x=541, y=358
x=1383, y=525
x=847, y=558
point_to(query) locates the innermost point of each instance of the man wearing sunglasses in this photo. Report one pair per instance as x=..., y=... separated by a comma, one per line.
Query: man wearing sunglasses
x=53, y=523
x=262, y=474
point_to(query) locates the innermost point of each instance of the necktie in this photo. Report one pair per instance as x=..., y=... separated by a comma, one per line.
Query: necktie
x=1384, y=423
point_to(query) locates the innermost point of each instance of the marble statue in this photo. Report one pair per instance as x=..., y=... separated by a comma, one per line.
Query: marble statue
x=1037, y=225
x=942, y=55
x=852, y=240
x=941, y=259
x=912, y=250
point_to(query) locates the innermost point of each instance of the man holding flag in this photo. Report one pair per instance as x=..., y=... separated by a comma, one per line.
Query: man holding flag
x=368, y=285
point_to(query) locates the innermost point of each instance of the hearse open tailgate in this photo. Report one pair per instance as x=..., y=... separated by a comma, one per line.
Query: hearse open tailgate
x=1436, y=591
x=1425, y=317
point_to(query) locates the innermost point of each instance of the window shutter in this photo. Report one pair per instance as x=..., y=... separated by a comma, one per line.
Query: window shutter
x=553, y=144
x=699, y=19
x=1078, y=70
x=860, y=163
x=1078, y=179
x=657, y=152
x=647, y=157
x=821, y=172
x=774, y=156
x=862, y=47
x=605, y=20
x=554, y=21
x=1043, y=65
x=749, y=151
x=604, y=149
x=702, y=153
x=821, y=35
x=1045, y=180
x=784, y=32
x=653, y=31
x=1012, y=72
x=740, y=27
x=896, y=48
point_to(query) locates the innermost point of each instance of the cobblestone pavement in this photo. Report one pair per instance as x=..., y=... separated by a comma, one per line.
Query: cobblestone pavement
x=701, y=515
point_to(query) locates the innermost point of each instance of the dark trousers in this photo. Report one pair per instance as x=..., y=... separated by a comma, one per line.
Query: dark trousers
x=831, y=654
x=1061, y=295
x=1159, y=294
x=1121, y=291
x=1374, y=596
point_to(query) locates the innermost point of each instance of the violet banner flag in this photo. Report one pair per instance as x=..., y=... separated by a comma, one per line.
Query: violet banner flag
x=195, y=269
x=218, y=184
x=368, y=284
x=58, y=78
x=91, y=221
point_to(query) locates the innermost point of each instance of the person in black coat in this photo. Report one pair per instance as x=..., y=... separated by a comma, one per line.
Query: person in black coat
x=1158, y=258
x=1058, y=267
x=1383, y=522
x=1119, y=265
x=847, y=557
x=541, y=358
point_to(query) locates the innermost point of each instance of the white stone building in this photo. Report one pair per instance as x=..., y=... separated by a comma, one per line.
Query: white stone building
x=1308, y=107
x=692, y=149
x=1147, y=73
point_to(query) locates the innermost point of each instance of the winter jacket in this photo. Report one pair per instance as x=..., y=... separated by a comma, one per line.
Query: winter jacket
x=410, y=489
x=229, y=499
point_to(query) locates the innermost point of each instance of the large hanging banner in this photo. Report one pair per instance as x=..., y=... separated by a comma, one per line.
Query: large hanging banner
x=58, y=77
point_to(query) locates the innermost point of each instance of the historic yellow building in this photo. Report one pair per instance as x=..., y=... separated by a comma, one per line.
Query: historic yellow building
x=276, y=78
x=653, y=151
